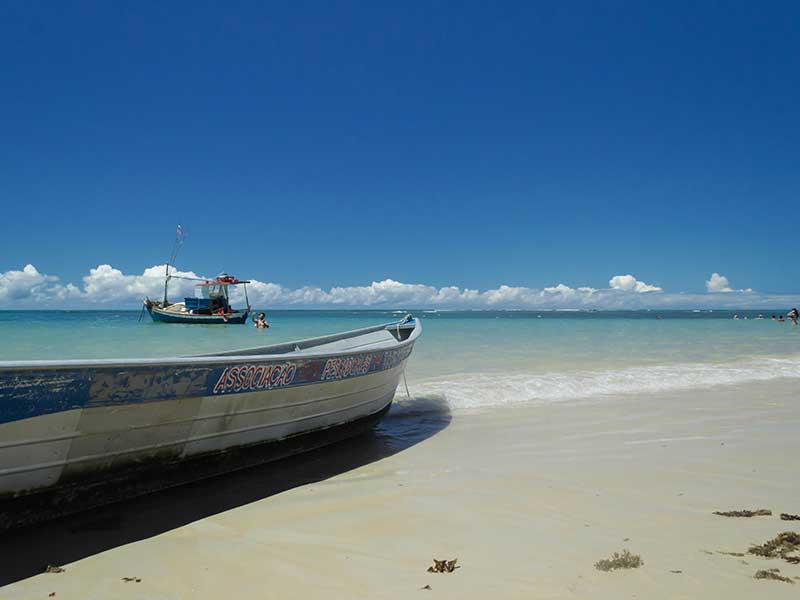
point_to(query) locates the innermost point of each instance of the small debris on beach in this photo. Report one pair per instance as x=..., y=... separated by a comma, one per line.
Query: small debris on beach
x=781, y=546
x=54, y=569
x=788, y=517
x=773, y=574
x=52, y=594
x=443, y=566
x=129, y=579
x=623, y=560
x=730, y=553
x=676, y=571
x=426, y=587
x=761, y=512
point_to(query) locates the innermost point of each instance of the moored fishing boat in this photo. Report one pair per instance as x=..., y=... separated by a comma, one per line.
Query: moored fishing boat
x=210, y=306
x=75, y=433
x=211, y=303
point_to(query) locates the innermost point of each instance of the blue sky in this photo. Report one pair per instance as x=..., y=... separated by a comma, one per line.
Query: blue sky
x=447, y=144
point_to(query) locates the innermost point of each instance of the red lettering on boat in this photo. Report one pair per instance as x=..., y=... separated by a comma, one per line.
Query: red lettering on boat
x=220, y=385
x=328, y=370
x=275, y=376
x=258, y=377
x=248, y=384
x=231, y=379
x=288, y=374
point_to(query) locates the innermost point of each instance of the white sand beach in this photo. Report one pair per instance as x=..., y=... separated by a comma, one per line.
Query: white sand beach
x=527, y=498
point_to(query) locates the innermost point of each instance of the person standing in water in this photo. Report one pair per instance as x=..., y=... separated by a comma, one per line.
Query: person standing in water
x=261, y=321
x=793, y=314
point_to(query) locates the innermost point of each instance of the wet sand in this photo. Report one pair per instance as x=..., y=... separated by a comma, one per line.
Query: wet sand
x=527, y=498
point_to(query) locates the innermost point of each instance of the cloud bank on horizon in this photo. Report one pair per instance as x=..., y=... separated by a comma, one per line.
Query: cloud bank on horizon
x=105, y=286
x=719, y=284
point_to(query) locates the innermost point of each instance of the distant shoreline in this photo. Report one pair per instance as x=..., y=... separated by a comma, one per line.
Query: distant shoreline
x=423, y=311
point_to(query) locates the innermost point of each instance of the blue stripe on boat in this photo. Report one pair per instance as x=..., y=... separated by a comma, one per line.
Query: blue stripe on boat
x=164, y=317
x=26, y=393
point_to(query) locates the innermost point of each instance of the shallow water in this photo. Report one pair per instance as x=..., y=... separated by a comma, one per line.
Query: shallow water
x=472, y=358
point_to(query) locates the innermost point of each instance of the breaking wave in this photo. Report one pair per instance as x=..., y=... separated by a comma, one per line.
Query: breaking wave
x=478, y=390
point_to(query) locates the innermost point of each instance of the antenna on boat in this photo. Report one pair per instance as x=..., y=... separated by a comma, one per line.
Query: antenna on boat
x=180, y=235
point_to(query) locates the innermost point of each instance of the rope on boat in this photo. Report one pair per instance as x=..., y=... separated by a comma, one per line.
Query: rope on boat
x=403, y=321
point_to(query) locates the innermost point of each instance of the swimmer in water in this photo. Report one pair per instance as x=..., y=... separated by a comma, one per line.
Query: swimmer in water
x=793, y=314
x=261, y=321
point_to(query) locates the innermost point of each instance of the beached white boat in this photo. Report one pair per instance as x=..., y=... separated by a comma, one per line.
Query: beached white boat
x=69, y=428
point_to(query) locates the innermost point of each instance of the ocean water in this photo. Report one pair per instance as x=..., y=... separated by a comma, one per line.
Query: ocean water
x=472, y=359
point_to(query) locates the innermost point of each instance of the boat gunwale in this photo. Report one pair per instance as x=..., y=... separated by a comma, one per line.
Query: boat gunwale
x=232, y=356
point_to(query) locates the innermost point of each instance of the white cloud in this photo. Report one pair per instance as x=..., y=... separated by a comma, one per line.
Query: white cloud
x=719, y=284
x=386, y=292
x=105, y=285
x=629, y=283
x=30, y=285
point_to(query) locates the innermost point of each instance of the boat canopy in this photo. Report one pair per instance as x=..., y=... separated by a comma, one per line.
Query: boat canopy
x=223, y=280
x=212, y=295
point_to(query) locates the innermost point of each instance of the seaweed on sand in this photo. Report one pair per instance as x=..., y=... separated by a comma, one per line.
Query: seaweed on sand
x=761, y=512
x=773, y=574
x=620, y=560
x=789, y=517
x=781, y=546
x=443, y=566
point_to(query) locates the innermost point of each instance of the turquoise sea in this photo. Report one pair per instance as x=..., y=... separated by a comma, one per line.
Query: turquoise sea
x=473, y=358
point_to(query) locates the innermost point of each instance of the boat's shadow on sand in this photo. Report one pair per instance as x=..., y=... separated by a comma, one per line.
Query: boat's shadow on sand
x=28, y=551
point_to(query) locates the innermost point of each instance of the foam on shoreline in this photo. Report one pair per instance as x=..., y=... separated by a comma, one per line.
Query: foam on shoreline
x=486, y=390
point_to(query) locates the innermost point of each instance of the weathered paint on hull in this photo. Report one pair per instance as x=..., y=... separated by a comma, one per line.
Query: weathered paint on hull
x=162, y=316
x=65, y=427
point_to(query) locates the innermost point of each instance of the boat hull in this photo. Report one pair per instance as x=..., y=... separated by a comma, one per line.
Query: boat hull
x=67, y=428
x=149, y=477
x=164, y=316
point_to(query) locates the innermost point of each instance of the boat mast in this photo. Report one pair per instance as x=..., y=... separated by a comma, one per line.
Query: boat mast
x=176, y=247
x=166, y=281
